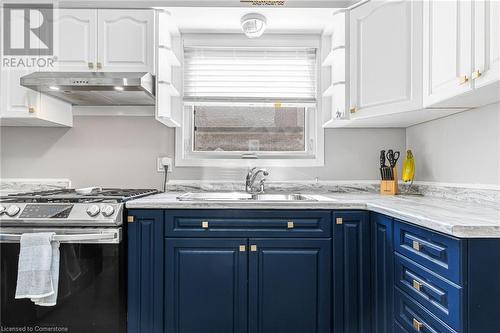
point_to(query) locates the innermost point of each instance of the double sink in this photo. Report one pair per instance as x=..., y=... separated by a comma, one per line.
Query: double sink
x=242, y=196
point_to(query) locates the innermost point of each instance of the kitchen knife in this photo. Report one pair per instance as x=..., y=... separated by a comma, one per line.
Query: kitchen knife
x=382, y=158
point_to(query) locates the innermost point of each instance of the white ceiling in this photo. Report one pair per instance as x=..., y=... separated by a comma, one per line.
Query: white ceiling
x=227, y=20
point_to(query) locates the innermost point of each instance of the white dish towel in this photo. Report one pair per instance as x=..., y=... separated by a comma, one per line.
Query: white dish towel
x=38, y=269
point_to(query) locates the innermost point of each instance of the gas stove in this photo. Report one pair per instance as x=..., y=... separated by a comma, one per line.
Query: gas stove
x=90, y=207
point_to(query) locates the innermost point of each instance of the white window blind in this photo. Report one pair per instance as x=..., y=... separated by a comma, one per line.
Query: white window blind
x=263, y=74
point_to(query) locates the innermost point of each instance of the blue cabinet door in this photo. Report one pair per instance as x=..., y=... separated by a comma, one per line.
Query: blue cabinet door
x=205, y=285
x=145, y=271
x=352, y=272
x=383, y=273
x=290, y=286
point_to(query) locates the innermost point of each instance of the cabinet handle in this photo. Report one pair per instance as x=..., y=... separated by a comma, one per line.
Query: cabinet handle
x=353, y=109
x=416, y=246
x=416, y=285
x=290, y=225
x=130, y=219
x=99, y=65
x=31, y=109
x=339, y=220
x=243, y=248
x=253, y=248
x=91, y=65
x=417, y=325
x=476, y=74
x=204, y=224
x=463, y=79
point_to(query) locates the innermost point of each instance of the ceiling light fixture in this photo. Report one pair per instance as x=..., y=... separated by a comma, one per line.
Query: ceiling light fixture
x=54, y=88
x=253, y=25
x=118, y=88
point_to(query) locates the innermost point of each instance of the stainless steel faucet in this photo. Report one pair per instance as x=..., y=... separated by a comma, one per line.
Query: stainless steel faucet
x=252, y=176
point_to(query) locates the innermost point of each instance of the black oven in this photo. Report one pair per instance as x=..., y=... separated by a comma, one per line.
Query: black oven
x=92, y=287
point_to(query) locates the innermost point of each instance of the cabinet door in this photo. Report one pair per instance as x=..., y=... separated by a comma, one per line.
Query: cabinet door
x=17, y=101
x=486, y=42
x=386, y=64
x=447, y=50
x=289, y=286
x=126, y=40
x=145, y=272
x=352, y=273
x=383, y=273
x=76, y=39
x=205, y=285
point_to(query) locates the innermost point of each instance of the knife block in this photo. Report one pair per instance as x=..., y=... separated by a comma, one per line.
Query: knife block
x=390, y=187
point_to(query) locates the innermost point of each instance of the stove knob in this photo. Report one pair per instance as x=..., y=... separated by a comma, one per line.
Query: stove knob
x=13, y=210
x=108, y=211
x=93, y=210
x=2, y=210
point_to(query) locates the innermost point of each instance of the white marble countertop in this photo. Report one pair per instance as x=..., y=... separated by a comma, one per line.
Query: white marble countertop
x=455, y=218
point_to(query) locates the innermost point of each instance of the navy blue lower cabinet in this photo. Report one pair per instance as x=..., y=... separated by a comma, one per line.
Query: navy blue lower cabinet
x=383, y=273
x=352, y=312
x=145, y=271
x=289, y=286
x=205, y=285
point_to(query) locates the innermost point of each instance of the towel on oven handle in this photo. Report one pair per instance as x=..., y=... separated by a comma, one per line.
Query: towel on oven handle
x=38, y=268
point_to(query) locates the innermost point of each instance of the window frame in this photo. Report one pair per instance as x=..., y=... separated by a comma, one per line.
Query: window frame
x=313, y=156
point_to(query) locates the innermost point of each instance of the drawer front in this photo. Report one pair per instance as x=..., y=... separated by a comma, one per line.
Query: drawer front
x=248, y=223
x=436, y=294
x=414, y=318
x=440, y=253
x=398, y=329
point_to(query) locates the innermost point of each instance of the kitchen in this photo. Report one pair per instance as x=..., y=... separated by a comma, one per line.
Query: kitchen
x=261, y=166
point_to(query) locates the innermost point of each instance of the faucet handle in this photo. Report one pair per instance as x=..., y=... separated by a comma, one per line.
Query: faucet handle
x=262, y=185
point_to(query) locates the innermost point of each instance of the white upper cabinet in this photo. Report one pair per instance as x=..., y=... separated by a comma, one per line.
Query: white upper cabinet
x=126, y=40
x=386, y=63
x=76, y=39
x=25, y=107
x=461, y=53
x=447, y=49
x=486, y=68
x=111, y=40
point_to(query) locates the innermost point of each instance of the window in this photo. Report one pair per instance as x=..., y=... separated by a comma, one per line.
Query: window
x=249, y=129
x=247, y=103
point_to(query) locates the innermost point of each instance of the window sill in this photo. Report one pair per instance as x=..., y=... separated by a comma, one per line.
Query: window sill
x=246, y=163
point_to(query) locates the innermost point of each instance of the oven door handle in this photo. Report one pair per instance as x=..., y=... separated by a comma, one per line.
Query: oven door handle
x=111, y=237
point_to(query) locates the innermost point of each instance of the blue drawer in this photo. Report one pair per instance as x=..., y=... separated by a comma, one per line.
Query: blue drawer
x=441, y=254
x=398, y=329
x=248, y=223
x=441, y=297
x=414, y=318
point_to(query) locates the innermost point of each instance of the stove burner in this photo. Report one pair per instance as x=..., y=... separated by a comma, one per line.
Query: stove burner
x=104, y=195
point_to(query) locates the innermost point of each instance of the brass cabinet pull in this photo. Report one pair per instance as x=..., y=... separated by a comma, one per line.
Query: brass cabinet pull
x=353, y=109
x=290, y=225
x=243, y=248
x=130, y=219
x=31, y=109
x=417, y=325
x=476, y=74
x=91, y=65
x=416, y=246
x=339, y=220
x=204, y=224
x=416, y=285
x=99, y=65
x=463, y=79
x=253, y=248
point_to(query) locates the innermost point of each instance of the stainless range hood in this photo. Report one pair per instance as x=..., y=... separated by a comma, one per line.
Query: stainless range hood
x=92, y=89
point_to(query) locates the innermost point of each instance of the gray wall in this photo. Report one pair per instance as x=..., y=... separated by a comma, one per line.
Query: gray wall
x=122, y=151
x=462, y=148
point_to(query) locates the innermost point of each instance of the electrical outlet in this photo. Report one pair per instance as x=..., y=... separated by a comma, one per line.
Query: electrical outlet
x=163, y=160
